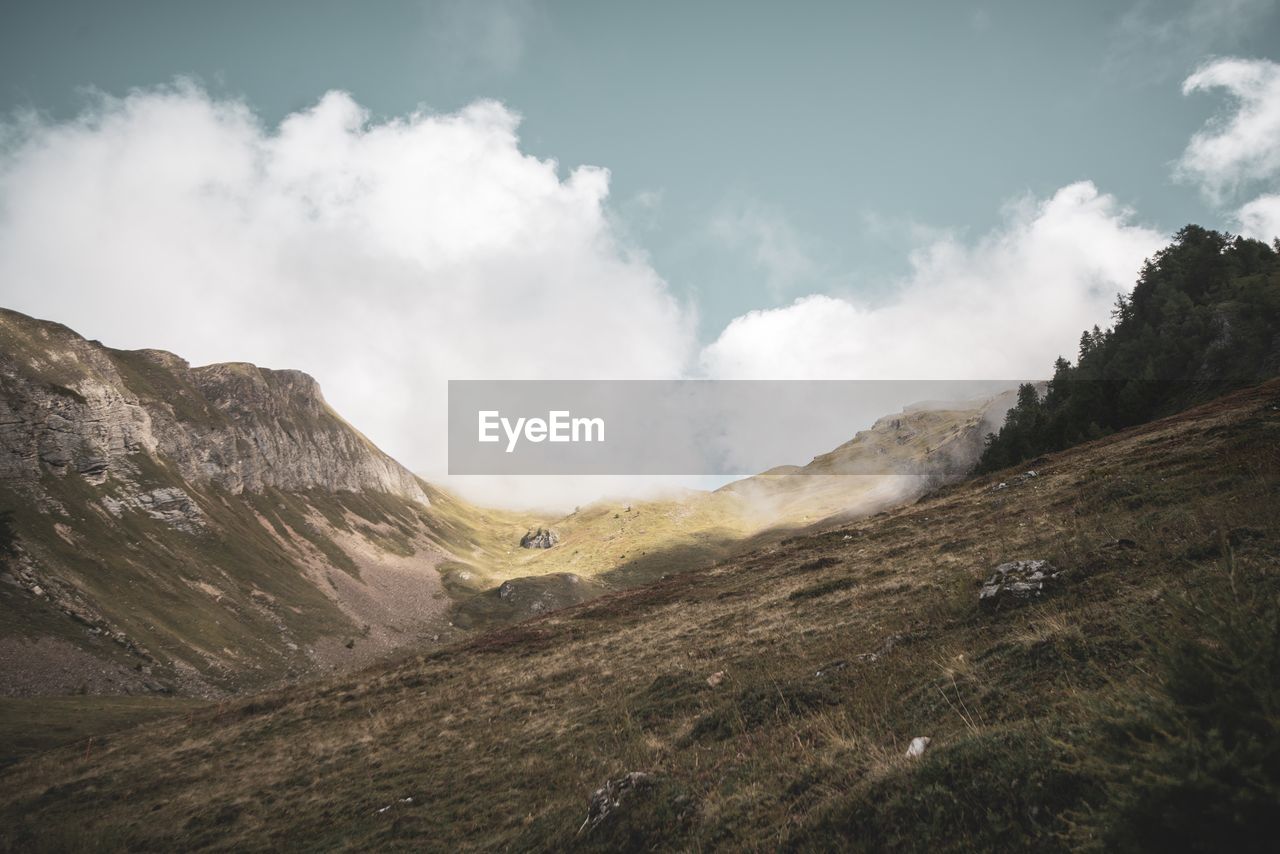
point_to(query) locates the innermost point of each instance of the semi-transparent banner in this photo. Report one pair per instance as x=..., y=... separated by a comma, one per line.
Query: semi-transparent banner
x=711, y=427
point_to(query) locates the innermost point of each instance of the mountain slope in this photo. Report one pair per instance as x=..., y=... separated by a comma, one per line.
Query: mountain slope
x=613, y=545
x=203, y=529
x=220, y=527
x=771, y=698
x=1200, y=321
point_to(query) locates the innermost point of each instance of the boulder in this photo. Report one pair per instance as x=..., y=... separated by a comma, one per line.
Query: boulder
x=543, y=538
x=1017, y=581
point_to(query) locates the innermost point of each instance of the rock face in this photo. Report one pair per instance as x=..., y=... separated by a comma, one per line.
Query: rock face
x=71, y=406
x=543, y=538
x=170, y=505
x=208, y=528
x=1017, y=581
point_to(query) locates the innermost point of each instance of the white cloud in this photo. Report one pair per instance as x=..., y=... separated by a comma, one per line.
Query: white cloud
x=383, y=257
x=388, y=257
x=1260, y=218
x=1002, y=308
x=1242, y=148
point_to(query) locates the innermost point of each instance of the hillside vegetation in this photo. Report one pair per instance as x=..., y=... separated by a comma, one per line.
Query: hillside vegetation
x=1203, y=319
x=769, y=700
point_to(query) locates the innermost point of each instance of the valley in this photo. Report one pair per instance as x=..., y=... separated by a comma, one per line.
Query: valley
x=206, y=531
x=767, y=700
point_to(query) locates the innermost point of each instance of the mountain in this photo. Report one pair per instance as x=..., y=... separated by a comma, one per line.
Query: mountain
x=613, y=545
x=204, y=529
x=219, y=528
x=1079, y=657
x=898, y=458
x=208, y=529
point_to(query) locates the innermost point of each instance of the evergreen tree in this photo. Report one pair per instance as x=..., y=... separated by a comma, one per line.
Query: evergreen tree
x=1203, y=319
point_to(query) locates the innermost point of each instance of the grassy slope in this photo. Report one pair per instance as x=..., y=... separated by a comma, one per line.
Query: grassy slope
x=29, y=725
x=500, y=740
x=620, y=544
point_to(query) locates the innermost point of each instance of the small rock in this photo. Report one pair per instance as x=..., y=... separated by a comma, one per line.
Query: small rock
x=918, y=746
x=715, y=679
x=609, y=797
x=1017, y=580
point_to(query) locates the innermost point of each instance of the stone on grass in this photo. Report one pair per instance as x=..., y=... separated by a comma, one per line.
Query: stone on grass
x=606, y=799
x=918, y=746
x=1017, y=581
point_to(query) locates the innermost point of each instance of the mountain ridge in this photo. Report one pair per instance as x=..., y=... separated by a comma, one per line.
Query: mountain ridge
x=204, y=529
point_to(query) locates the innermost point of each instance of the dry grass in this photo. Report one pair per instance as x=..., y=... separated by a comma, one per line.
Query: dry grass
x=500, y=741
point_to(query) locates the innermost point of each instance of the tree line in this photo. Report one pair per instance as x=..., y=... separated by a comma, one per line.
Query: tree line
x=1203, y=319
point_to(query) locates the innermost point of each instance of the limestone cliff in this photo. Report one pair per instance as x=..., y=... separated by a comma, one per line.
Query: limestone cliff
x=203, y=529
x=68, y=405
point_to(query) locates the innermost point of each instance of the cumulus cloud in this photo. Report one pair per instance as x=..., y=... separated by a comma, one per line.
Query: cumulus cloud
x=1260, y=218
x=1243, y=147
x=384, y=257
x=1004, y=307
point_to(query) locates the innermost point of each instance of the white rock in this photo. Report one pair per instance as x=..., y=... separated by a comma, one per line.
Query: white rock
x=918, y=746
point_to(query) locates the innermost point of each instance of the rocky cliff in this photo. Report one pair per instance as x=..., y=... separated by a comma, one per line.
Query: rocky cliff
x=68, y=405
x=203, y=529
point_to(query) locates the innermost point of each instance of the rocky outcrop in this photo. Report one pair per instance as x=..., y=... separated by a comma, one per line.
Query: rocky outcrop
x=170, y=505
x=72, y=406
x=1017, y=581
x=918, y=746
x=543, y=538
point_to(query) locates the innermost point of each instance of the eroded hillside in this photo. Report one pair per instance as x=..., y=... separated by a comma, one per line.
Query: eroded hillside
x=204, y=529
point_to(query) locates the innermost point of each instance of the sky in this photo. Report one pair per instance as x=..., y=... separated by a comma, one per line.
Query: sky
x=391, y=195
